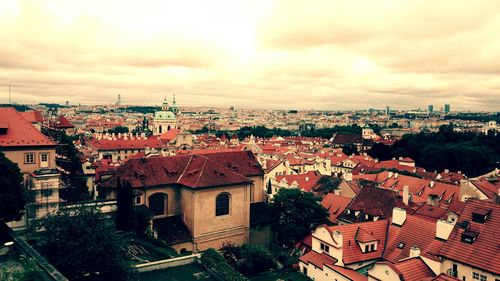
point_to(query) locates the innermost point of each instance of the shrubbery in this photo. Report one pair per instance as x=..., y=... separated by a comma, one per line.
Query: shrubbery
x=214, y=261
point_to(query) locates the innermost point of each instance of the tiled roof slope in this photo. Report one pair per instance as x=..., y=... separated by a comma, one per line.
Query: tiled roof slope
x=241, y=162
x=307, y=181
x=194, y=171
x=413, y=269
x=20, y=132
x=335, y=204
x=416, y=231
x=351, y=250
x=484, y=252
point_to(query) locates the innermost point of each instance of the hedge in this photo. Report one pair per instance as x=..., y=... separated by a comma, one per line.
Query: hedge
x=215, y=261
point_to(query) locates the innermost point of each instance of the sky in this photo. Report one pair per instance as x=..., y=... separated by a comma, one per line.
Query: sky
x=328, y=55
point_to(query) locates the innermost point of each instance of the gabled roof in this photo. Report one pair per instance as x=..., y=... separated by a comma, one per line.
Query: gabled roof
x=169, y=135
x=342, y=138
x=351, y=251
x=307, y=181
x=242, y=162
x=363, y=236
x=483, y=253
x=486, y=187
x=335, y=204
x=63, y=123
x=20, y=132
x=317, y=259
x=33, y=116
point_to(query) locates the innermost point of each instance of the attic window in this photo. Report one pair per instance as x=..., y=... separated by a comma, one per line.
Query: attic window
x=401, y=245
x=469, y=236
x=480, y=215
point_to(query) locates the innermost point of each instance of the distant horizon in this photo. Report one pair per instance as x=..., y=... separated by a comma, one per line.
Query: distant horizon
x=347, y=55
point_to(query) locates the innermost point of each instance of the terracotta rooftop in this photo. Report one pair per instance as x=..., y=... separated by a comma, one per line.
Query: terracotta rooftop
x=413, y=269
x=306, y=182
x=19, y=131
x=335, y=204
x=483, y=253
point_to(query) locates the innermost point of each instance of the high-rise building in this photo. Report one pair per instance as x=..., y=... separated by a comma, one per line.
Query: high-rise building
x=387, y=110
x=430, y=108
x=447, y=108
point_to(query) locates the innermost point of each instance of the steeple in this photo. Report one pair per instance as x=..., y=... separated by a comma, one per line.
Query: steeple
x=165, y=104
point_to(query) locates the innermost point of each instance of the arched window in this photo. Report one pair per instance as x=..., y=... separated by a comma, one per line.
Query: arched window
x=159, y=129
x=222, y=204
x=158, y=204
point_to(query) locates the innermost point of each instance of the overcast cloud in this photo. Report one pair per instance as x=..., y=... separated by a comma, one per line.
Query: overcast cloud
x=253, y=54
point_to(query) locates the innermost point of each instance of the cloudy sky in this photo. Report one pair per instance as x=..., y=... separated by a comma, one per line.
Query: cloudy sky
x=253, y=54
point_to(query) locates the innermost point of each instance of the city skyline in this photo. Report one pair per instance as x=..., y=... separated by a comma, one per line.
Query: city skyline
x=253, y=54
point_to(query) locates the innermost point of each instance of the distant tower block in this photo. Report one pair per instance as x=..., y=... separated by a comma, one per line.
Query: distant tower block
x=119, y=100
x=67, y=103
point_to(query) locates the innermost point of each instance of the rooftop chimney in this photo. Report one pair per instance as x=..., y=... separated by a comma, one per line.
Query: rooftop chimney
x=396, y=175
x=398, y=216
x=406, y=194
x=414, y=251
x=431, y=184
x=443, y=229
x=307, y=178
x=348, y=176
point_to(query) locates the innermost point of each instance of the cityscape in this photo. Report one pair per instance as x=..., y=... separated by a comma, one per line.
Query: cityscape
x=249, y=140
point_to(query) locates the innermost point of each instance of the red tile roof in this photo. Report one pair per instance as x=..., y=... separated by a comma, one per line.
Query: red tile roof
x=441, y=277
x=486, y=187
x=194, y=171
x=317, y=259
x=123, y=144
x=416, y=231
x=348, y=273
x=307, y=181
x=413, y=269
x=63, y=123
x=33, y=116
x=169, y=135
x=351, y=250
x=484, y=252
x=335, y=204
x=20, y=132
x=242, y=162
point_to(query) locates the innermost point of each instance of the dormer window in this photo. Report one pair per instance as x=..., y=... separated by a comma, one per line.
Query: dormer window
x=324, y=247
x=480, y=215
x=469, y=236
x=401, y=245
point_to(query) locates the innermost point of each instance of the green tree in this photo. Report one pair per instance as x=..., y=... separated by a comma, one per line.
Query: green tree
x=380, y=151
x=296, y=214
x=349, y=149
x=328, y=184
x=12, y=194
x=124, y=209
x=83, y=245
x=118, y=130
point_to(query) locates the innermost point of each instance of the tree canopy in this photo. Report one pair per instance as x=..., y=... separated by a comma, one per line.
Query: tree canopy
x=471, y=153
x=296, y=213
x=12, y=193
x=83, y=245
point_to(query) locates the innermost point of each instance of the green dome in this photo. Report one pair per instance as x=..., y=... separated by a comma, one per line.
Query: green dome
x=165, y=115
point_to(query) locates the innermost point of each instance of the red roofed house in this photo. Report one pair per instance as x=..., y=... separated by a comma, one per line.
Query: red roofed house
x=472, y=249
x=34, y=153
x=62, y=123
x=307, y=182
x=352, y=247
x=198, y=201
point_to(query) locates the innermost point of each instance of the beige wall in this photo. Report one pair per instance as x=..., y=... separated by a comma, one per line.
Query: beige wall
x=382, y=272
x=466, y=271
x=16, y=155
x=346, y=190
x=258, y=192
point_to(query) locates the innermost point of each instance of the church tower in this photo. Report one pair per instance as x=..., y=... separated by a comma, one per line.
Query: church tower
x=164, y=120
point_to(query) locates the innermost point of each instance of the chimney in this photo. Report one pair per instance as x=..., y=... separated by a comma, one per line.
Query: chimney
x=398, y=216
x=119, y=135
x=307, y=178
x=406, y=194
x=337, y=192
x=400, y=158
x=390, y=174
x=396, y=175
x=446, y=171
x=431, y=184
x=443, y=229
x=348, y=176
x=414, y=251
x=264, y=164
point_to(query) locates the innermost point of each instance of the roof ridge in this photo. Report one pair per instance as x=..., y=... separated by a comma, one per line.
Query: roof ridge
x=201, y=171
x=185, y=168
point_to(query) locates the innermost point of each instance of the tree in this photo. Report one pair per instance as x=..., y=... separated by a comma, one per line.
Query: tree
x=296, y=214
x=118, y=130
x=328, y=184
x=124, y=212
x=380, y=151
x=83, y=245
x=12, y=194
x=349, y=149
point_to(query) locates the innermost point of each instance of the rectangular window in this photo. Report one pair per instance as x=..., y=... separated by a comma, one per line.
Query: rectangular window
x=366, y=249
x=372, y=248
x=44, y=157
x=29, y=158
x=483, y=277
x=46, y=192
x=475, y=275
x=138, y=200
x=324, y=248
x=304, y=270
